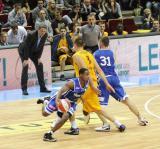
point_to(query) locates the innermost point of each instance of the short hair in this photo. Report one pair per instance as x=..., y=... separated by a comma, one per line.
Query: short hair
x=42, y=25
x=92, y=14
x=79, y=42
x=105, y=41
x=63, y=27
x=82, y=70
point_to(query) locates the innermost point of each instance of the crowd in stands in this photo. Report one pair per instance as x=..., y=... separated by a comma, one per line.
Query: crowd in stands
x=68, y=19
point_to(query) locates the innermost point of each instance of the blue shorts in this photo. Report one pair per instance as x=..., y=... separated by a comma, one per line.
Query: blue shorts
x=51, y=107
x=119, y=94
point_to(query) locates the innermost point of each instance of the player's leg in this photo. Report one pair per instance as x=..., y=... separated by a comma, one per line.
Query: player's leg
x=120, y=95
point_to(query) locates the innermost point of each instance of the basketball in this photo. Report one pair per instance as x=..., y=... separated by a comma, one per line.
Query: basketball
x=64, y=105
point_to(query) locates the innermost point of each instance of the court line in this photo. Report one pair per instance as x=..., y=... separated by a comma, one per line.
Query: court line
x=147, y=108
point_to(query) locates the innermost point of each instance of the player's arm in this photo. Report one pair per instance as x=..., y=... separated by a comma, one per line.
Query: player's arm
x=80, y=63
x=69, y=85
x=102, y=75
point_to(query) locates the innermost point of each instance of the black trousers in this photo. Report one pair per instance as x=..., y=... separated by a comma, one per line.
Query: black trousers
x=91, y=49
x=39, y=70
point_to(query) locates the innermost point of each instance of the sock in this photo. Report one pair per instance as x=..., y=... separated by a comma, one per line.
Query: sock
x=50, y=132
x=117, y=123
x=73, y=124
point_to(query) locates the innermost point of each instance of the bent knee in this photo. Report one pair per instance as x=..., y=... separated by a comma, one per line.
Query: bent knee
x=44, y=114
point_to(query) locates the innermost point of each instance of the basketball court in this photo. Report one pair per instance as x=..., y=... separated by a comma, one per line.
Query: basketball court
x=22, y=125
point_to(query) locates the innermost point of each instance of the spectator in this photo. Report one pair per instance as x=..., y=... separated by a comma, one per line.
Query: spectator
x=75, y=14
x=62, y=43
x=26, y=7
x=155, y=6
x=103, y=27
x=1, y=6
x=120, y=30
x=155, y=27
x=16, y=34
x=59, y=22
x=91, y=34
x=114, y=10
x=42, y=19
x=3, y=39
x=51, y=9
x=35, y=11
x=86, y=9
x=147, y=19
x=32, y=48
x=17, y=15
x=76, y=31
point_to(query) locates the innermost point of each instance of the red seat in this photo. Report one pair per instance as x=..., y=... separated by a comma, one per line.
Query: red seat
x=129, y=25
x=3, y=18
x=112, y=24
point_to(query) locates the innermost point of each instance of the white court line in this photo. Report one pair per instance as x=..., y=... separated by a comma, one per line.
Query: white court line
x=147, y=109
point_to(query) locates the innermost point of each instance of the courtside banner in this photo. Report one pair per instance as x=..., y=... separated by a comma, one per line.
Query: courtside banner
x=11, y=68
x=137, y=55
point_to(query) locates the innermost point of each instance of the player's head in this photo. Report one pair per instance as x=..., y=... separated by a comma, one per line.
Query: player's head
x=84, y=74
x=104, y=42
x=78, y=43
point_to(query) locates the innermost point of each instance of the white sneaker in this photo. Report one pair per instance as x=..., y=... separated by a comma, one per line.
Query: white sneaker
x=104, y=128
x=142, y=122
x=86, y=119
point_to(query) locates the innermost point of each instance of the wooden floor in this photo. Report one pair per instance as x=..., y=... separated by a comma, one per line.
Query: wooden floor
x=22, y=126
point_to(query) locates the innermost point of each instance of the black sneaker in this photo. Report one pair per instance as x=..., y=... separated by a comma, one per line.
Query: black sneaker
x=122, y=128
x=72, y=131
x=41, y=101
x=48, y=137
x=62, y=78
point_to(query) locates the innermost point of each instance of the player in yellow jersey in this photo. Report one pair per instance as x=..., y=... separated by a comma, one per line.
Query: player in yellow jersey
x=90, y=100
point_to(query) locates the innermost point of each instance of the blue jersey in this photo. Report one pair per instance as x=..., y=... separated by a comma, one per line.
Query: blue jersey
x=105, y=59
x=74, y=94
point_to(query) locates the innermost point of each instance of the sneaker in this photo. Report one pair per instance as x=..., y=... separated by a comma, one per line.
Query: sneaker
x=41, y=101
x=48, y=137
x=86, y=119
x=62, y=78
x=142, y=122
x=72, y=131
x=122, y=128
x=104, y=128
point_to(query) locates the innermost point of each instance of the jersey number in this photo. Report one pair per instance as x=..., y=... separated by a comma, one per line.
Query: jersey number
x=105, y=61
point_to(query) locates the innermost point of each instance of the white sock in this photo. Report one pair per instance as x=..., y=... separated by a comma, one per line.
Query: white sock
x=117, y=123
x=50, y=132
x=73, y=124
x=46, y=102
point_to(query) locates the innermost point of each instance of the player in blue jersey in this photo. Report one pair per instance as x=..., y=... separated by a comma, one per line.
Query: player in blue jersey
x=72, y=90
x=105, y=59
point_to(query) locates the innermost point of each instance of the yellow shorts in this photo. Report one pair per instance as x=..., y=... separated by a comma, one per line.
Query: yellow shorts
x=90, y=101
x=62, y=57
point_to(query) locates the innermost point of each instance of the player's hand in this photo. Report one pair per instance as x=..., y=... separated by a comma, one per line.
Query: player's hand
x=25, y=63
x=110, y=88
x=57, y=102
x=96, y=90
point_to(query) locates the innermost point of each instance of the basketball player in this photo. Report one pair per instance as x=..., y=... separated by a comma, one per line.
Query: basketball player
x=72, y=91
x=84, y=59
x=105, y=59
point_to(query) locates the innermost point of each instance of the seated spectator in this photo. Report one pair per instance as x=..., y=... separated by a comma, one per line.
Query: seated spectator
x=26, y=7
x=16, y=34
x=76, y=31
x=113, y=10
x=62, y=43
x=147, y=19
x=51, y=9
x=86, y=9
x=154, y=5
x=1, y=6
x=35, y=11
x=59, y=22
x=120, y=30
x=3, y=39
x=155, y=27
x=17, y=15
x=42, y=19
x=102, y=28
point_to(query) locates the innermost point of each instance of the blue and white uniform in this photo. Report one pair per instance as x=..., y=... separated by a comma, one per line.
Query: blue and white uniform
x=71, y=95
x=105, y=59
